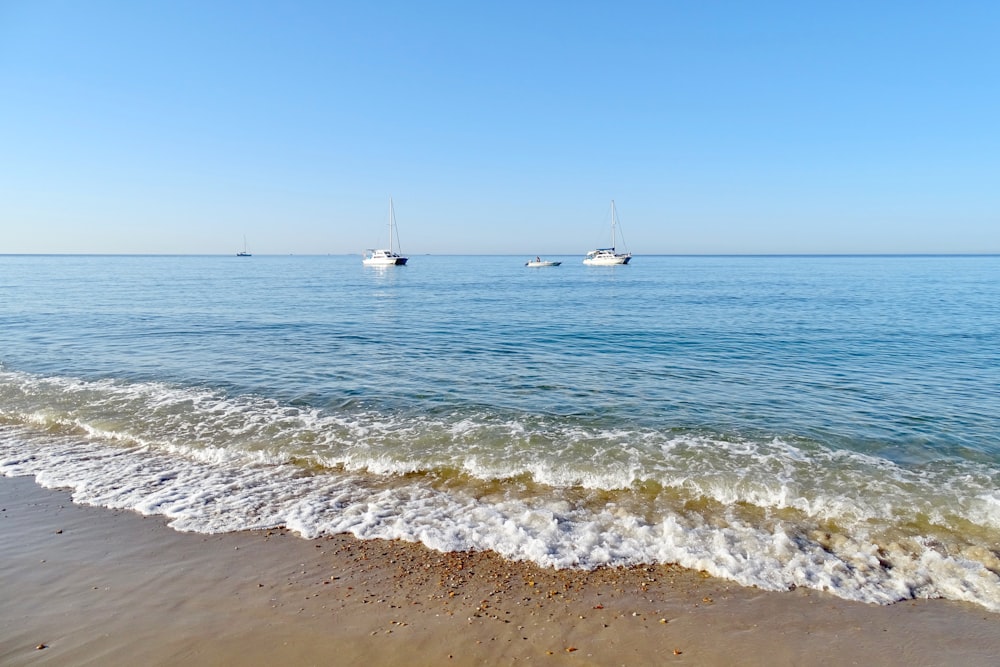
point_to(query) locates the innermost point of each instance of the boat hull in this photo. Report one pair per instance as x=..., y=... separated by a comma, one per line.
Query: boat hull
x=606, y=260
x=384, y=261
x=535, y=265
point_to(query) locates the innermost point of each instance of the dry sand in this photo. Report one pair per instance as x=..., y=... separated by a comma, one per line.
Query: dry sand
x=89, y=586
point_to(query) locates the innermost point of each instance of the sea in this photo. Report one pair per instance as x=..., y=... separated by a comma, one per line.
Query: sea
x=828, y=422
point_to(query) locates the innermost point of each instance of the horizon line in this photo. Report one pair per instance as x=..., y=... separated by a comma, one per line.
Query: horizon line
x=512, y=254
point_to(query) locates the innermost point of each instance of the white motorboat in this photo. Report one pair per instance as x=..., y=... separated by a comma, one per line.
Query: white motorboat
x=539, y=262
x=609, y=256
x=383, y=256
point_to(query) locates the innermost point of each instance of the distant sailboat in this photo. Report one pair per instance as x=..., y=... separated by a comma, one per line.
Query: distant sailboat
x=244, y=252
x=383, y=257
x=608, y=256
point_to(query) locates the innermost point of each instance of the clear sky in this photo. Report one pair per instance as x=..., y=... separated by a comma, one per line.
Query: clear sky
x=499, y=127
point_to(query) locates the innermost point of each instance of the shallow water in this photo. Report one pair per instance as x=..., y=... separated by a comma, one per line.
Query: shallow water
x=830, y=422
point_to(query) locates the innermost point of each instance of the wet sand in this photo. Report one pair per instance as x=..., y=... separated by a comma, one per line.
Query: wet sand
x=91, y=586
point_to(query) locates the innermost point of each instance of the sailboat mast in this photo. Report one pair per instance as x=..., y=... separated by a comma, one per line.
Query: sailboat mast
x=613, y=220
x=392, y=216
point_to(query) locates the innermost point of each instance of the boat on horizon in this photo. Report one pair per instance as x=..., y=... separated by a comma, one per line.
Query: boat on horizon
x=244, y=252
x=385, y=257
x=539, y=262
x=609, y=256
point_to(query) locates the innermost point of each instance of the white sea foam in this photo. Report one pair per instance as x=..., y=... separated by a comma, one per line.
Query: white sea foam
x=767, y=513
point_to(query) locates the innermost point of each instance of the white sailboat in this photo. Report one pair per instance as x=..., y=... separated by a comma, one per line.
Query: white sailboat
x=385, y=257
x=244, y=252
x=609, y=256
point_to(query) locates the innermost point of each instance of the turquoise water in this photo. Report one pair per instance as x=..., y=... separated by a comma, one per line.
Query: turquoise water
x=830, y=422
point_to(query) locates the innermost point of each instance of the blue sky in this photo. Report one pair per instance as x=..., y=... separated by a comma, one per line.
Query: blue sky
x=718, y=127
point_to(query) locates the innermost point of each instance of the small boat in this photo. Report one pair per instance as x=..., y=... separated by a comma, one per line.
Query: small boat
x=244, y=252
x=608, y=256
x=385, y=257
x=538, y=261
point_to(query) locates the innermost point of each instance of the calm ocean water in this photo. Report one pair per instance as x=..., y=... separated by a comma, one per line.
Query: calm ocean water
x=828, y=422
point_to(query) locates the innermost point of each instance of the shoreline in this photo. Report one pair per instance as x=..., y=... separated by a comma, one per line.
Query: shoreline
x=94, y=586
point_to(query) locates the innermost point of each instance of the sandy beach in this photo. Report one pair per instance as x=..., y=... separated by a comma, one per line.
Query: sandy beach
x=91, y=586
